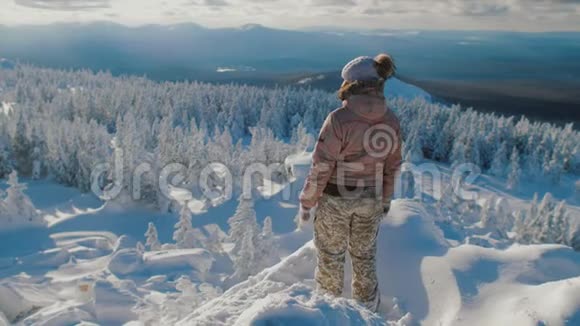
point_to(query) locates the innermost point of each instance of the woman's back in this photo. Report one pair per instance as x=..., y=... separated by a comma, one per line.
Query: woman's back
x=369, y=137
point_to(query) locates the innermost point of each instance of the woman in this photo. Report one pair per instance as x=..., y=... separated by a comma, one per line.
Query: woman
x=352, y=179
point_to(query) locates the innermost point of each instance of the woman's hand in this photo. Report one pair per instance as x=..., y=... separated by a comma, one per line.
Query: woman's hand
x=305, y=213
x=386, y=208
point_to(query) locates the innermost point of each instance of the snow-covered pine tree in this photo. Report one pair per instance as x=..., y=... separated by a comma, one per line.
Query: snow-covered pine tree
x=536, y=218
x=533, y=165
x=152, y=238
x=555, y=226
x=5, y=168
x=545, y=223
x=546, y=205
x=504, y=216
x=532, y=211
x=445, y=137
x=494, y=218
x=295, y=121
x=553, y=169
x=246, y=260
x=515, y=171
x=458, y=154
x=519, y=224
x=449, y=205
x=36, y=163
x=213, y=242
x=183, y=228
x=268, y=248
x=301, y=138
x=575, y=239
x=22, y=147
x=487, y=214
x=500, y=161
x=242, y=222
x=140, y=247
x=473, y=149
x=413, y=151
x=18, y=205
x=244, y=234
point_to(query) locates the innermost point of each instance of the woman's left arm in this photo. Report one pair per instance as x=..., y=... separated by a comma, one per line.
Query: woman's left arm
x=326, y=154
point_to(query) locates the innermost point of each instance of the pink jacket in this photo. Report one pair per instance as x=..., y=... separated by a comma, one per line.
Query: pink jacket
x=359, y=145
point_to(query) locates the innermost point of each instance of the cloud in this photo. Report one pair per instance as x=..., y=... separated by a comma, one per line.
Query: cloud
x=208, y=3
x=393, y=11
x=482, y=9
x=444, y=7
x=429, y=14
x=548, y=6
x=215, y=3
x=557, y=1
x=333, y=3
x=64, y=4
x=379, y=8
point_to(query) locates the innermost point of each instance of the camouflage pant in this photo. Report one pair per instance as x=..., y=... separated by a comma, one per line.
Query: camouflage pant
x=348, y=223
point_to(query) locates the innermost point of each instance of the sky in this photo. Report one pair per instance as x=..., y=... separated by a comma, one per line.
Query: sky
x=513, y=15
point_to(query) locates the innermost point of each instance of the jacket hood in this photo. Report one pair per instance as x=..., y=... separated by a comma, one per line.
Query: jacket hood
x=367, y=106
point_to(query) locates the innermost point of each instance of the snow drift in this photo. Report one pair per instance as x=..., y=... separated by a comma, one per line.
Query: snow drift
x=422, y=280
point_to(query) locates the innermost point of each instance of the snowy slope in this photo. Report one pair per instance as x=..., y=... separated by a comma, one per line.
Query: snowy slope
x=422, y=280
x=86, y=266
x=397, y=88
x=394, y=87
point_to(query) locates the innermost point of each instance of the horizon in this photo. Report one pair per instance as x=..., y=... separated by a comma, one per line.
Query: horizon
x=453, y=15
x=306, y=29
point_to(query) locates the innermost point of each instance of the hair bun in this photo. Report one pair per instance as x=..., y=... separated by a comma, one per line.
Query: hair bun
x=385, y=65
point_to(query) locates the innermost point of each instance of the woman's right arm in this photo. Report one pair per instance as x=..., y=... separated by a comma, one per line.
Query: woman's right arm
x=324, y=158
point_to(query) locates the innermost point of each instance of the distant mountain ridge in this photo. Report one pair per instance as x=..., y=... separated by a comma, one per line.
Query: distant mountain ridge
x=395, y=87
x=420, y=54
x=463, y=67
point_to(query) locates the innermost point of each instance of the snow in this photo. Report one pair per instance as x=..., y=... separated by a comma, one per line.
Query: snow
x=309, y=80
x=173, y=261
x=397, y=88
x=6, y=107
x=435, y=283
x=394, y=87
x=85, y=267
x=3, y=320
x=235, y=69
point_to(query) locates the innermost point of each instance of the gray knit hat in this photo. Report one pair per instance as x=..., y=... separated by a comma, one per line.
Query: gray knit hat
x=360, y=69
